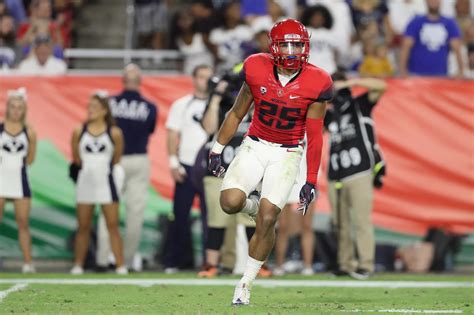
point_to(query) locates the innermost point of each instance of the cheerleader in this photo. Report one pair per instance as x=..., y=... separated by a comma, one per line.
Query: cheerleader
x=97, y=148
x=17, y=151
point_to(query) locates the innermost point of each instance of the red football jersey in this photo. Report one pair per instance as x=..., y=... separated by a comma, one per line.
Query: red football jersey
x=280, y=112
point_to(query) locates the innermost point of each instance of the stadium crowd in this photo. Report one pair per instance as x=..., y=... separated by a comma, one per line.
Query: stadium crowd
x=371, y=37
x=375, y=38
x=34, y=33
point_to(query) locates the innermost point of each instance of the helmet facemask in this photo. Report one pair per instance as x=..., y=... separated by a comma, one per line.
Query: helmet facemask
x=289, y=44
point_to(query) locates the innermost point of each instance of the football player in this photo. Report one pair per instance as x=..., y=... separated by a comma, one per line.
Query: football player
x=290, y=98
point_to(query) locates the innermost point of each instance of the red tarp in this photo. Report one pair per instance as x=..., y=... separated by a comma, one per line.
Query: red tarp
x=425, y=128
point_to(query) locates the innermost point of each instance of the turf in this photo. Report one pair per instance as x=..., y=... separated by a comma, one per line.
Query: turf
x=179, y=299
x=193, y=275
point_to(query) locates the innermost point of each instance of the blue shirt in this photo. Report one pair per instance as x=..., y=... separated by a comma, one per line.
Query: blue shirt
x=253, y=7
x=136, y=117
x=429, y=54
x=16, y=10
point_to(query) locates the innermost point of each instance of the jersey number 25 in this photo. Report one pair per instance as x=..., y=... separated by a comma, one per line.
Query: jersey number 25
x=287, y=115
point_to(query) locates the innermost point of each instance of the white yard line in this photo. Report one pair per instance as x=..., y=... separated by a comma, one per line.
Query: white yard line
x=406, y=311
x=263, y=283
x=15, y=288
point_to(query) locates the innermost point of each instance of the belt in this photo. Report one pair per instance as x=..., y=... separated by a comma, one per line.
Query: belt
x=277, y=145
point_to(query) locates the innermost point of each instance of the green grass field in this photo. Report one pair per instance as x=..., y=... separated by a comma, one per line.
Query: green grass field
x=152, y=293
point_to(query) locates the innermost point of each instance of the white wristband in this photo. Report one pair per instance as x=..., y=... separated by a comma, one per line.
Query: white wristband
x=217, y=148
x=174, y=162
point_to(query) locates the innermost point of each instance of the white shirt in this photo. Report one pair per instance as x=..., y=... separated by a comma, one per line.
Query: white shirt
x=343, y=27
x=323, y=44
x=53, y=66
x=229, y=42
x=195, y=53
x=185, y=118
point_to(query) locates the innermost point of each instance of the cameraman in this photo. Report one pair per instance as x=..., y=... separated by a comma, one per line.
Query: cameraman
x=221, y=225
x=355, y=167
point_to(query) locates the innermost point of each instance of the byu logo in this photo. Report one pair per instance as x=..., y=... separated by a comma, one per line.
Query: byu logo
x=95, y=147
x=263, y=90
x=433, y=36
x=13, y=146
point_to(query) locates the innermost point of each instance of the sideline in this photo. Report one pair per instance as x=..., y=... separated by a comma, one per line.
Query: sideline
x=232, y=282
x=15, y=288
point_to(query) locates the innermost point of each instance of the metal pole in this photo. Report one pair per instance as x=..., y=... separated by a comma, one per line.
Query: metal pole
x=128, y=45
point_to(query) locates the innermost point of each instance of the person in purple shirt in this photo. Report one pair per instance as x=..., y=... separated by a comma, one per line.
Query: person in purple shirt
x=427, y=42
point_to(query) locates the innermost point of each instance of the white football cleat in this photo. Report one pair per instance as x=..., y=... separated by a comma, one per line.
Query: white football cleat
x=77, y=270
x=241, y=294
x=121, y=270
x=28, y=268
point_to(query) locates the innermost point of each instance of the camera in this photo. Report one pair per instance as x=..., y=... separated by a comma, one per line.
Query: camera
x=234, y=81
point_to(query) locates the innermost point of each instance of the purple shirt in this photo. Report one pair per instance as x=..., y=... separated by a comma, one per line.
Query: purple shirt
x=253, y=7
x=429, y=54
x=16, y=10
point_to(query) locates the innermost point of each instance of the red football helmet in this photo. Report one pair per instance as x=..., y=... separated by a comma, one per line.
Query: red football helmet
x=289, y=44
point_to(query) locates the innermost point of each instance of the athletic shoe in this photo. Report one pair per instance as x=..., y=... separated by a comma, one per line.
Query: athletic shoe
x=208, y=272
x=122, y=270
x=307, y=271
x=28, y=268
x=360, y=274
x=171, y=270
x=340, y=273
x=264, y=272
x=278, y=271
x=241, y=294
x=77, y=270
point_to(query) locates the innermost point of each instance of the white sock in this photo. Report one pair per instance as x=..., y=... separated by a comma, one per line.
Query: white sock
x=250, y=207
x=251, y=270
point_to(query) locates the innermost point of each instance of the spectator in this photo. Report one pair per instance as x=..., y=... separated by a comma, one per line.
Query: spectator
x=426, y=44
x=220, y=225
x=305, y=225
x=185, y=137
x=367, y=12
x=319, y=22
x=16, y=9
x=257, y=45
x=289, y=7
x=342, y=28
x=470, y=56
x=195, y=46
x=40, y=19
x=41, y=61
x=251, y=9
x=204, y=16
x=151, y=20
x=230, y=36
x=96, y=148
x=266, y=22
x=7, y=41
x=353, y=156
x=464, y=14
x=377, y=65
x=136, y=117
x=467, y=44
x=402, y=11
x=41, y=29
x=17, y=151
